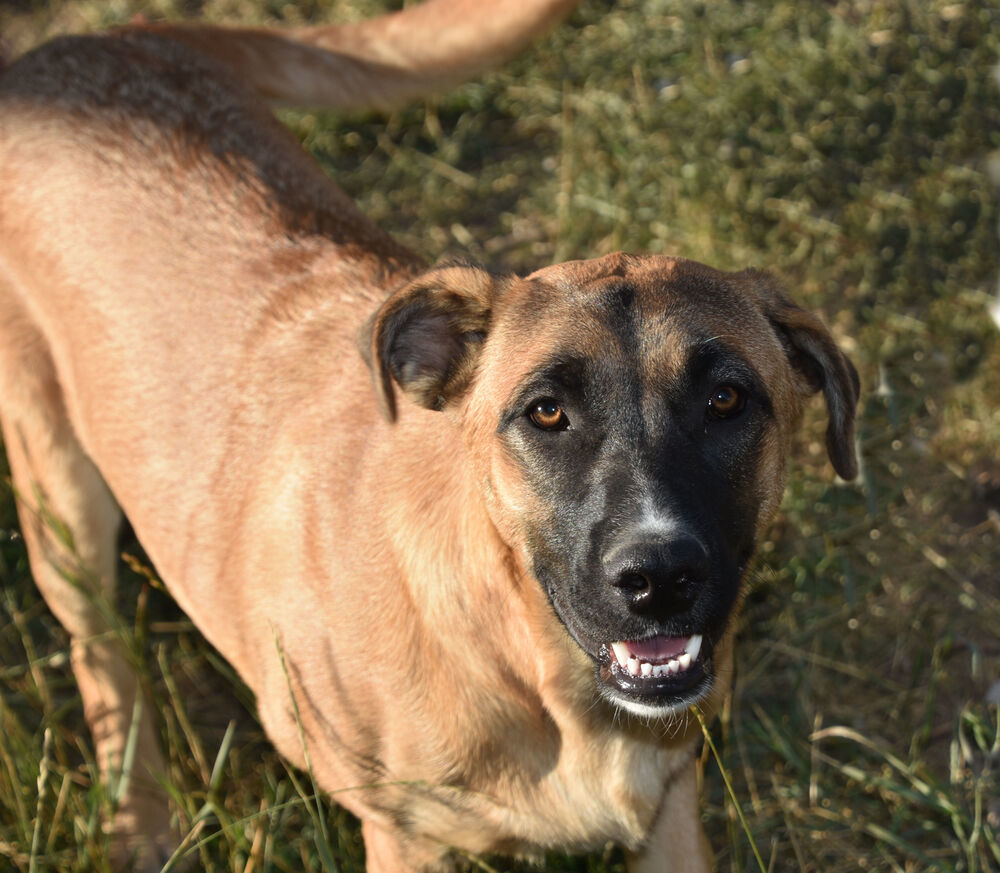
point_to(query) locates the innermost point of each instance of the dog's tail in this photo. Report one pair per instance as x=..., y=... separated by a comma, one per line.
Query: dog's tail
x=379, y=62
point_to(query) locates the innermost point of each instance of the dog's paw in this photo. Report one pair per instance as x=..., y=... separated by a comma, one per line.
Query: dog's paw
x=142, y=840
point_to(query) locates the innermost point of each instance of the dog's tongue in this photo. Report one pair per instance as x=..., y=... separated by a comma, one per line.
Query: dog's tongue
x=659, y=648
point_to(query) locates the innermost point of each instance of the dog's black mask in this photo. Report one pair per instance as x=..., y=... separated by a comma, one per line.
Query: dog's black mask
x=649, y=484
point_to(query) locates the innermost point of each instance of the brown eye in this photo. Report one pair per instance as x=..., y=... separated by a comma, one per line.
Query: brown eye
x=726, y=402
x=548, y=415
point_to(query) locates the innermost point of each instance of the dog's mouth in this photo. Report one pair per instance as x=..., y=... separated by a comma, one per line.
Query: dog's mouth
x=655, y=675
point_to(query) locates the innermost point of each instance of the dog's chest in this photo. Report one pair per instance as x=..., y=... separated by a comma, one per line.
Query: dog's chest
x=605, y=787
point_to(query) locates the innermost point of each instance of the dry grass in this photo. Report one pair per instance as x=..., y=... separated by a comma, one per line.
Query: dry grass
x=843, y=144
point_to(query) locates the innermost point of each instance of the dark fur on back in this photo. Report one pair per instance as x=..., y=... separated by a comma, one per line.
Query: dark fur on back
x=182, y=108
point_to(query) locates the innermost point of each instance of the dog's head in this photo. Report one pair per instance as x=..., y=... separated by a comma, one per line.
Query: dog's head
x=628, y=419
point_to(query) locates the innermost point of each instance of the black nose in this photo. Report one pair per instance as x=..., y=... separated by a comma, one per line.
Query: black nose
x=659, y=579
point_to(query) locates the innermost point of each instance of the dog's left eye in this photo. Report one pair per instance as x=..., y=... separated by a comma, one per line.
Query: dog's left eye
x=546, y=414
x=727, y=401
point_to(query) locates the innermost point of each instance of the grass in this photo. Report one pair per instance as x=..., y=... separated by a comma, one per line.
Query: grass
x=844, y=145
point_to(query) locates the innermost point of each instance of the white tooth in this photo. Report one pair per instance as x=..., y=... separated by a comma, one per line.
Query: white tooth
x=621, y=653
x=684, y=660
x=673, y=668
x=633, y=666
x=647, y=668
x=694, y=646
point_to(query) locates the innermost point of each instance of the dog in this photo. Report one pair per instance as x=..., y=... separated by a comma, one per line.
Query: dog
x=475, y=541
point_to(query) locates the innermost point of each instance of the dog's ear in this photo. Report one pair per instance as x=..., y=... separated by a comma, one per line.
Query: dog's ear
x=426, y=336
x=818, y=364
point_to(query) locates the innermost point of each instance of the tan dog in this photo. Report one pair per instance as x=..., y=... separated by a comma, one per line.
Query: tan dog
x=487, y=606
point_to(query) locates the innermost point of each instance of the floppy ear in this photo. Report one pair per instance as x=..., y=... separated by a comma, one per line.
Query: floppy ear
x=819, y=365
x=426, y=336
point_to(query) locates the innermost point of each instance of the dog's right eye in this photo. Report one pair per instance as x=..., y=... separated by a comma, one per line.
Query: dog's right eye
x=546, y=414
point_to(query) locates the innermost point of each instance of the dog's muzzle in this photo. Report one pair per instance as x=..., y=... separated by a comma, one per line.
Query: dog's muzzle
x=658, y=581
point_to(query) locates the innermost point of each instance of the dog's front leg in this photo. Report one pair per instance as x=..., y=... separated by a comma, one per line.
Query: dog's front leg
x=677, y=843
x=388, y=851
x=70, y=524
